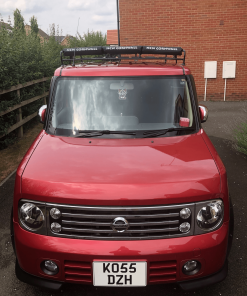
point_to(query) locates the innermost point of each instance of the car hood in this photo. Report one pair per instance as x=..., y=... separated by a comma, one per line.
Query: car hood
x=97, y=171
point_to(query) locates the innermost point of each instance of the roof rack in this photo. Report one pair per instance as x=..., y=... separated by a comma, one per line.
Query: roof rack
x=113, y=53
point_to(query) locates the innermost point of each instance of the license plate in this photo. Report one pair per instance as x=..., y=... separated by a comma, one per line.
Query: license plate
x=120, y=273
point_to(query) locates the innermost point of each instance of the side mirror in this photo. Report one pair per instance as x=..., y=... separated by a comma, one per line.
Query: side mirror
x=42, y=112
x=203, y=110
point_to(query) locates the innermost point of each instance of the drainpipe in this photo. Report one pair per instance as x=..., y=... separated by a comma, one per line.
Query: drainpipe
x=118, y=23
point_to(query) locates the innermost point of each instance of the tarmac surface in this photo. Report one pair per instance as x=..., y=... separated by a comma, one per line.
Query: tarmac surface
x=224, y=117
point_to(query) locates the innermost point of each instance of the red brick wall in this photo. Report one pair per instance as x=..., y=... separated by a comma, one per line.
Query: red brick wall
x=210, y=30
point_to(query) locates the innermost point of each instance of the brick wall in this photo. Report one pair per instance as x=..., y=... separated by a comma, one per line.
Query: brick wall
x=211, y=30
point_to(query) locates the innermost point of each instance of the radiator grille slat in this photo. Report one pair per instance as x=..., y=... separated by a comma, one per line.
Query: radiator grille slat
x=160, y=272
x=120, y=223
x=78, y=272
x=112, y=231
x=70, y=215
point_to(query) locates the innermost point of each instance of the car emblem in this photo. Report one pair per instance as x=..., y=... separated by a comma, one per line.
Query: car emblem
x=120, y=224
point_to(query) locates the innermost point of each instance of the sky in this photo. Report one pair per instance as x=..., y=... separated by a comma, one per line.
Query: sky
x=97, y=15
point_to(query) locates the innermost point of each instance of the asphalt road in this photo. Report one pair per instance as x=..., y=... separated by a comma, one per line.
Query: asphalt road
x=224, y=117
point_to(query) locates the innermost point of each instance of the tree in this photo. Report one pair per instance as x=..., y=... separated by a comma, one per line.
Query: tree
x=52, y=30
x=18, y=21
x=89, y=39
x=34, y=26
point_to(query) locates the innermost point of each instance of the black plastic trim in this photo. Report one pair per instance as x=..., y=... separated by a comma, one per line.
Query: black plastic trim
x=193, y=101
x=193, y=86
x=206, y=281
x=36, y=281
x=49, y=105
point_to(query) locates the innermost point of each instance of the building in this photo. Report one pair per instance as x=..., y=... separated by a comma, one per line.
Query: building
x=213, y=30
x=6, y=25
x=64, y=40
x=112, y=37
x=43, y=36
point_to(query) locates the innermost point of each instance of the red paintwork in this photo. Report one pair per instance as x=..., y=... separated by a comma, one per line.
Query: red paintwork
x=33, y=248
x=222, y=170
x=177, y=170
x=122, y=70
x=98, y=171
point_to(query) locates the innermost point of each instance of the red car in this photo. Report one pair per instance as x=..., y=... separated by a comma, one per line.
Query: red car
x=122, y=187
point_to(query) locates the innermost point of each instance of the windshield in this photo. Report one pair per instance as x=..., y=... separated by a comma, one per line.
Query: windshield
x=120, y=103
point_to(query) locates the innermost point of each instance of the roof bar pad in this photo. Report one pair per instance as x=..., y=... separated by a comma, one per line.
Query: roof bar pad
x=122, y=49
x=78, y=51
x=162, y=50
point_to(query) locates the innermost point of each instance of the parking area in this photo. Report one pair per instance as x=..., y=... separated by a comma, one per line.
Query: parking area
x=224, y=118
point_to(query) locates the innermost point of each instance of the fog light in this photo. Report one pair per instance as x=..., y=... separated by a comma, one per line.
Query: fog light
x=191, y=267
x=185, y=213
x=56, y=227
x=55, y=213
x=184, y=227
x=49, y=267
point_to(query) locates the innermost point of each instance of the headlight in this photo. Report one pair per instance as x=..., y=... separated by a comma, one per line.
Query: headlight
x=209, y=215
x=32, y=216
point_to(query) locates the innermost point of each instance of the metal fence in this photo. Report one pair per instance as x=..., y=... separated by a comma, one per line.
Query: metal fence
x=20, y=122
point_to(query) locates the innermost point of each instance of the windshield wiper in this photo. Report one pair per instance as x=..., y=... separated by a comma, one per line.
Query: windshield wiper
x=156, y=133
x=88, y=134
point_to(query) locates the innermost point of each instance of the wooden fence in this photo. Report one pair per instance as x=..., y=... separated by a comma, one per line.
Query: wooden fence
x=21, y=121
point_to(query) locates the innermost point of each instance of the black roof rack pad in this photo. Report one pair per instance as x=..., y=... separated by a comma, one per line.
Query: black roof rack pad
x=78, y=51
x=122, y=49
x=162, y=50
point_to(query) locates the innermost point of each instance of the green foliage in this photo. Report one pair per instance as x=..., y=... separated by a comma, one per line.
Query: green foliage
x=241, y=137
x=34, y=26
x=18, y=21
x=24, y=58
x=89, y=39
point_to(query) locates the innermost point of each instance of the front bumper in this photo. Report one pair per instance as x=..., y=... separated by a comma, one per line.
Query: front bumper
x=186, y=285
x=165, y=257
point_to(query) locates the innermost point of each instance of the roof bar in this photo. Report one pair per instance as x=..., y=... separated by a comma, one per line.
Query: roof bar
x=113, y=53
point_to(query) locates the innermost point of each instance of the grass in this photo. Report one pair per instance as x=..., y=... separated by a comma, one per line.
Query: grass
x=241, y=137
x=12, y=156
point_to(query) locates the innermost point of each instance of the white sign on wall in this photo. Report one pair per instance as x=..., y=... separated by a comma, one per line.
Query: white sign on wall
x=210, y=69
x=229, y=69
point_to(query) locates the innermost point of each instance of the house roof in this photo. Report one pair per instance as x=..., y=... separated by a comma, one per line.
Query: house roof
x=6, y=25
x=112, y=37
x=41, y=32
x=62, y=38
x=59, y=39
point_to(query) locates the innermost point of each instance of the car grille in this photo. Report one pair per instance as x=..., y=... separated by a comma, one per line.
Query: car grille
x=160, y=272
x=78, y=272
x=133, y=223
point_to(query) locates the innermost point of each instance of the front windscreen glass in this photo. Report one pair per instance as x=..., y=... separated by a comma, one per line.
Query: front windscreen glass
x=120, y=104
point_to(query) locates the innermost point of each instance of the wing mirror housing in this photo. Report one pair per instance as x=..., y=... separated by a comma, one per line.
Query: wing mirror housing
x=203, y=111
x=42, y=113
